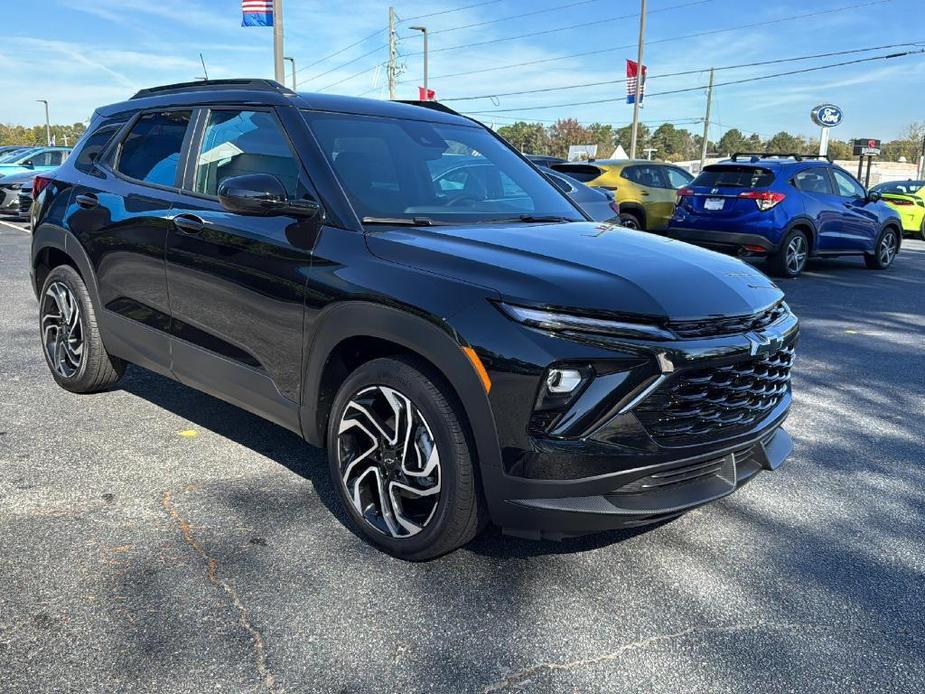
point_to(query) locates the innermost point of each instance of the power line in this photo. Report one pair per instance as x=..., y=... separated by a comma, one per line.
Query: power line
x=686, y=72
x=702, y=87
x=342, y=50
x=343, y=65
x=564, y=28
x=516, y=16
x=665, y=40
x=457, y=9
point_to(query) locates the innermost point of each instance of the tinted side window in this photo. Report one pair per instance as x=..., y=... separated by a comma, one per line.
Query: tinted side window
x=847, y=186
x=236, y=143
x=42, y=159
x=812, y=181
x=580, y=172
x=151, y=150
x=650, y=176
x=95, y=143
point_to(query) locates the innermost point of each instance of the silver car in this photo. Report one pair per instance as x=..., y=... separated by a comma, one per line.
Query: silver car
x=9, y=191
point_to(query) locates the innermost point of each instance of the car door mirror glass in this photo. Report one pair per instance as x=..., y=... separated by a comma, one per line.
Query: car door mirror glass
x=29, y=164
x=874, y=196
x=262, y=195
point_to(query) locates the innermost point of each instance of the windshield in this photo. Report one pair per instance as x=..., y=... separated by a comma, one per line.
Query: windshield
x=412, y=170
x=899, y=187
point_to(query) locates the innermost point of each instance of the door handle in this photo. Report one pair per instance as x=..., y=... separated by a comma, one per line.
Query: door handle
x=87, y=200
x=188, y=223
x=644, y=192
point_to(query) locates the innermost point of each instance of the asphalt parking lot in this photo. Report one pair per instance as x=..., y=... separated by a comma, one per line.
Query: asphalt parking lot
x=153, y=538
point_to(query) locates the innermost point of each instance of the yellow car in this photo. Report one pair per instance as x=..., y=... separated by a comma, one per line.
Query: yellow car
x=646, y=190
x=907, y=198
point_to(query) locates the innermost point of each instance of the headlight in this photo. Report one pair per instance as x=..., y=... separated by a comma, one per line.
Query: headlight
x=559, y=322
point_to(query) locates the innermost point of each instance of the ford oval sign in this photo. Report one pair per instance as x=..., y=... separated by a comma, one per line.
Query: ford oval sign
x=826, y=115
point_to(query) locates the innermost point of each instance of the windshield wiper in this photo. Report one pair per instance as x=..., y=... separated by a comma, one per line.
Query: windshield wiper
x=404, y=221
x=533, y=219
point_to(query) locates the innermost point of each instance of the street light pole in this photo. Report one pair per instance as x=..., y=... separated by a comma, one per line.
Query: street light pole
x=423, y=30
x=639, y=57
x=279, y=67
x=292, y=60
x=47, y=121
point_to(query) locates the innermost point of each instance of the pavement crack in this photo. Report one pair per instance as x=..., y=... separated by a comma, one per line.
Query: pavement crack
x=260, y=651
x=524, y=675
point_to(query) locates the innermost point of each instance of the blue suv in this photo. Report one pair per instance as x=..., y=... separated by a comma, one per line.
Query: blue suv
x=787, y=208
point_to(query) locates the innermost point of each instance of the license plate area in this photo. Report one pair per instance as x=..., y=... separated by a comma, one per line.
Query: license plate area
x=714, y=204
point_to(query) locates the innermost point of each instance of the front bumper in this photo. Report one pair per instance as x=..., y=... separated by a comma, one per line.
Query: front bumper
x=726, y=241
x=649, y=494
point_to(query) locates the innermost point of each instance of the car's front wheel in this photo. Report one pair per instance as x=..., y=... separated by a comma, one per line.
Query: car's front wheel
x=885, y=250
x=71, y=340
x=400, y=460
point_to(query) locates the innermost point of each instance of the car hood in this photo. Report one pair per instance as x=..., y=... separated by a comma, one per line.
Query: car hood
x=19, y=177
x=585, y=266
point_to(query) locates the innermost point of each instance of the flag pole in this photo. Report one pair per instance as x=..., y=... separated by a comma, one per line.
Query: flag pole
x=278, y=64
x=639, y=73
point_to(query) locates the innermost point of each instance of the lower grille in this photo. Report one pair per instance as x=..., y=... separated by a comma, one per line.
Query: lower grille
x=698, y=403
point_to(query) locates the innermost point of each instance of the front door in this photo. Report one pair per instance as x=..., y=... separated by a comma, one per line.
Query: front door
x=236, y=282
x=858, y=226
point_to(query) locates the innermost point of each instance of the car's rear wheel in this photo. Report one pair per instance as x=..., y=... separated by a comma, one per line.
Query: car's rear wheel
x=884, y=251
x=400, y=460
x=791, y=259
x=71, y=340
x=922, y=230
x=630, y=220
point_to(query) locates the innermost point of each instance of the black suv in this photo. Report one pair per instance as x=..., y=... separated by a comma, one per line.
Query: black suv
x=467, y=349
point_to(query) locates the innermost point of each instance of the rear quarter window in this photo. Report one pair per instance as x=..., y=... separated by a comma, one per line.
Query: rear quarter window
x=734, y=177
x=580, y=172
x=92, y=145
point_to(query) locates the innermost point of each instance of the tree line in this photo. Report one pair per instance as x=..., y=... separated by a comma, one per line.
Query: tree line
x=36, y=135
x=672, y=143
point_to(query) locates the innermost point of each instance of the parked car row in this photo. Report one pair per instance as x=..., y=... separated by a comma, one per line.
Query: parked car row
x=785, y=208
x=18, y=166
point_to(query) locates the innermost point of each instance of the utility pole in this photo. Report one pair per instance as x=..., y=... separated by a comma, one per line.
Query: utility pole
x=706, y=123
x=279, y=67
x=47, y=121
x=639, y=57
x=292, y=60
x=921, y=169
x=423, y=30
x=392, y=69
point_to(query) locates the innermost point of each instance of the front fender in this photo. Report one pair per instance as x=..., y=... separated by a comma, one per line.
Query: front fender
x=435, y=341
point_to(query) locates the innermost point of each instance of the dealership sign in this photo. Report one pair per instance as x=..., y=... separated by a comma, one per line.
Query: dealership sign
x=827, y=115
x=866, y=148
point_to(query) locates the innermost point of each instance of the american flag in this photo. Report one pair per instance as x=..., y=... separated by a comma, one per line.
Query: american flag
x=632, y=69
x=257, y=13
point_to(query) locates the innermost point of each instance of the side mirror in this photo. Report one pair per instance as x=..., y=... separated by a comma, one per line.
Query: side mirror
x=29, y=164
x=262, y=195
x=874, y=196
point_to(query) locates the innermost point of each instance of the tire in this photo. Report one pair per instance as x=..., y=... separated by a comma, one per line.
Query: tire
x=922, y=230
x=365, y=455
x=71, y=343
x=793, y=255
x=631, y=220
x=885, y=250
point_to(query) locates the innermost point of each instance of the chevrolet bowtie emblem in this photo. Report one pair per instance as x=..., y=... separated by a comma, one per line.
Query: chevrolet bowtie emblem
x=760, y=343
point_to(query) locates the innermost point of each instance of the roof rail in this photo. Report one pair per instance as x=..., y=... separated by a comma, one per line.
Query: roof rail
x=779, y=155
x=207, y=85
x=432, y=105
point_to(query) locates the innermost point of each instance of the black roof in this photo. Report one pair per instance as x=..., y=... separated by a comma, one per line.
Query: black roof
x=269, y=93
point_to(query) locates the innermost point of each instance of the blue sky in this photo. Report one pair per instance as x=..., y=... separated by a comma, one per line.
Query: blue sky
x=83, y=53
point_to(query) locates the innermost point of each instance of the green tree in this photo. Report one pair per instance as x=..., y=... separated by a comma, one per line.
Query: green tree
x=564, y=133
x=733, y=141
x=784, y=142
x=625, y=134
x=530, y=138
x=604, y=137
x=669, y=142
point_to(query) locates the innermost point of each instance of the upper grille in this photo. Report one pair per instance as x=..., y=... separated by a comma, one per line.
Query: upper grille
x=711, y=327
x=717, y=400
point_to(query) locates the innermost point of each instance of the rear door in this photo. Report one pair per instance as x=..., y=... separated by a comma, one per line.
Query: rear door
x=858, y=226
x=237, y=282
x=821, y=205
x=656, y=192
x=120, y=213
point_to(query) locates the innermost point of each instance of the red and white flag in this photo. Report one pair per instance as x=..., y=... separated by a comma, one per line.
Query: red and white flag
x=632, y=72
x=426, y=94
